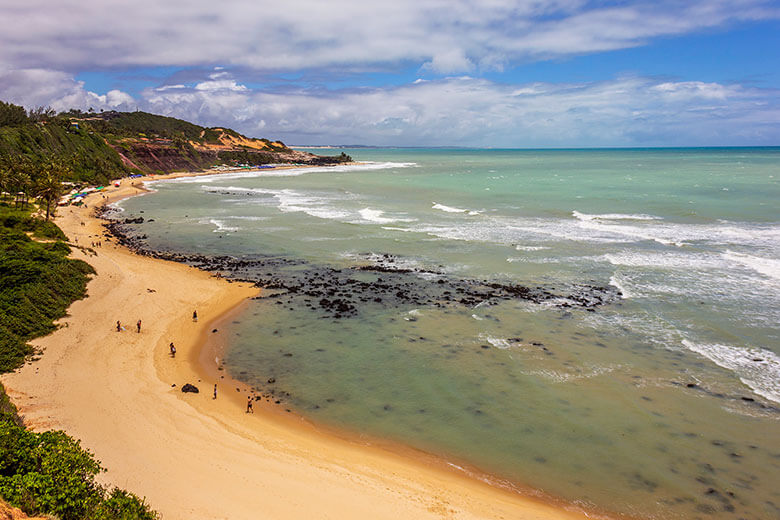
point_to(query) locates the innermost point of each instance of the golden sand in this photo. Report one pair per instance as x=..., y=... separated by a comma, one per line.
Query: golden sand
x=194, y=457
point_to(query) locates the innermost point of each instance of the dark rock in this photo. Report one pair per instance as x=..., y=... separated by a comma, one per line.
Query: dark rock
x=189, y=388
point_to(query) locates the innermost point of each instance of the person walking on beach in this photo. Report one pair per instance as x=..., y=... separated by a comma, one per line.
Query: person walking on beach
x=215, y=390
x=118, y=326
x=195, y=315
x=249, y=404
x=173, y=350
x=138, y=326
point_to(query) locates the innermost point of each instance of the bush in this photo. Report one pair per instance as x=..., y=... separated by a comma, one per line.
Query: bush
x=37, y=283
x=50, y=473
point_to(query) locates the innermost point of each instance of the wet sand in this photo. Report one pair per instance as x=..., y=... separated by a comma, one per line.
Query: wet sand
x=195, y=457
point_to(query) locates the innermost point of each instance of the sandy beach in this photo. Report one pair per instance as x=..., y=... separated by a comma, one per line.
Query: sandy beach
x=193, y=456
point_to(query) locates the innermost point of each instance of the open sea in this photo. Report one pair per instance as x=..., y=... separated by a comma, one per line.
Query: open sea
x=601, y=326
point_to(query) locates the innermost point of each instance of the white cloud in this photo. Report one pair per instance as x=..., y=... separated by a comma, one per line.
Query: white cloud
x=42, y=87
x=446, y=36
x=449, y=62
x=629, y=111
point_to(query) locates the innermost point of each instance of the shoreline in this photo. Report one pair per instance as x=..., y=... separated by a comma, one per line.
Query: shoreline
x=197, y=457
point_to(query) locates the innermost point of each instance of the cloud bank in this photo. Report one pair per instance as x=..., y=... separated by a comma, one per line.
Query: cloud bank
x=228, y=51
x=465, y=111
x=446, y=36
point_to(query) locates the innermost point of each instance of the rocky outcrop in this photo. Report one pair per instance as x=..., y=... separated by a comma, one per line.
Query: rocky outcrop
x=190, y=388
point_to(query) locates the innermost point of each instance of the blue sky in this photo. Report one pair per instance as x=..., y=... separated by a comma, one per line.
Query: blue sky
x=505, y=73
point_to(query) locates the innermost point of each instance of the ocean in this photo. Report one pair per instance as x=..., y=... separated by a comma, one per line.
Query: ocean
x=596, y=326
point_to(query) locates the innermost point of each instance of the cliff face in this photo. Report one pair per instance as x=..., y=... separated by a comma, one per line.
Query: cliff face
x=150, y=157
x=164, y=157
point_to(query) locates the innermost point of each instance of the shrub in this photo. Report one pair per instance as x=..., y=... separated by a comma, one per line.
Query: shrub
x=50, y=473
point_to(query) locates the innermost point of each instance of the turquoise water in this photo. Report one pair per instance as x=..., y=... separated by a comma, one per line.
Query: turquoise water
x=661, y=403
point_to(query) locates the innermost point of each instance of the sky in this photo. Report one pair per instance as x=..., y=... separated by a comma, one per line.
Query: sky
x=487, y=73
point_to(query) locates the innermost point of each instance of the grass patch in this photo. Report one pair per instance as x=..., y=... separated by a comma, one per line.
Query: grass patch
x=37, y=283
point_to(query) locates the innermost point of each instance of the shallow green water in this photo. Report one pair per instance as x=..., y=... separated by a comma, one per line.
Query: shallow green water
x=593, y=407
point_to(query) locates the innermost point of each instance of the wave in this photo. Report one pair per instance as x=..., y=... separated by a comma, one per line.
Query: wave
x=617, y=281
x=757, y=368
x=375, y=216
x=450, y=209
x=530, y=248
x=222, y=226
x=613, y=216
x=288, y=172
x=664, y=260
x=768, y=267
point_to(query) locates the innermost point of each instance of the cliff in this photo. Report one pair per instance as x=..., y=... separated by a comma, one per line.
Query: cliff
x=108, y=145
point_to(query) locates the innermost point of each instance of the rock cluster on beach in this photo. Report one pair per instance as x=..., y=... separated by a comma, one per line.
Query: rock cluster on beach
x=342, y=292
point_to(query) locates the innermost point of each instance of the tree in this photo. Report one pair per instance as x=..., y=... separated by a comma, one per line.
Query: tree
x=5, y=176
x=48, y=185
x=18, y=180
x=12, y=115
x=40, y=114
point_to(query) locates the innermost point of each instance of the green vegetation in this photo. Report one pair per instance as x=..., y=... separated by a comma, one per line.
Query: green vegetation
x=25, y=147
x=246, y=157
x=94, y=148
x=50, y=473
x=139, y=124
x=45, y=473
x=37, y=283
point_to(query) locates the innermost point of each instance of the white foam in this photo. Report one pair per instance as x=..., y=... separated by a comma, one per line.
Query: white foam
x=448, y=209
x=665, y=260
x=376, y=216
x=769, y=267
x=222, y=226
x=666, y=235
x=531, y=248
x=246, y=217
x=288, y=172
x=613, y=216
x=763, y=377
x=559, y=376
x=496, y=342
x=617, y=281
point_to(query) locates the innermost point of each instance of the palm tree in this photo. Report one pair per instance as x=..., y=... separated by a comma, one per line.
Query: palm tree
x=48, y=185
x=5, y=176
x=19, y=182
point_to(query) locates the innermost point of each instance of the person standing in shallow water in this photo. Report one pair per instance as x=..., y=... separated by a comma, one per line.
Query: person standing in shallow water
x=194, y=315
x=118, y=326
x=173, y=350
x=249, y=404
x=138, y=325
x=215, y=390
